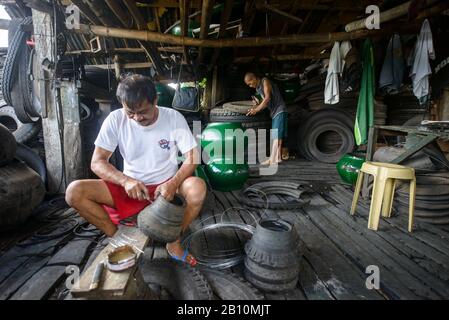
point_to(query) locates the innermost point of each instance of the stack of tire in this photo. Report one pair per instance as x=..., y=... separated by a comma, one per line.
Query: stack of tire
x=403, y=107
x=432, y=184
x=236, y=112
x=20, y=110
x=272, y=257
x=348, y=103
x=326, y=135
x=431, y=200
x=21, y=188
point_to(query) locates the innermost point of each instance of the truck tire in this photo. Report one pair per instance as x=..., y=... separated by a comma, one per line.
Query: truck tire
x=222, y=115
x=8, y=146
x=23, y=132
x=182, y=281
x=21, y=191
x=230, y=286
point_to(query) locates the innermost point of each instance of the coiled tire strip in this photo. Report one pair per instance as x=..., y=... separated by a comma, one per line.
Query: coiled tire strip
x=290, y=189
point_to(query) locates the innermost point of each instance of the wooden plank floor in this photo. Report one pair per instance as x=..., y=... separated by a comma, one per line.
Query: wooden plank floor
x=336, y=248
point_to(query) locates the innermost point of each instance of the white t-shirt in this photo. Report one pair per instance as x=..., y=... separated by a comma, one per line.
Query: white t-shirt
x=149, y=152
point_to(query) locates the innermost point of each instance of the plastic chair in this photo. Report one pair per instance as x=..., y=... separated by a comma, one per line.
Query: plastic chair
x=385, y=176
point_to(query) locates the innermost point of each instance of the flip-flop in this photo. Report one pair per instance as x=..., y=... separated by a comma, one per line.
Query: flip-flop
x=192, y=262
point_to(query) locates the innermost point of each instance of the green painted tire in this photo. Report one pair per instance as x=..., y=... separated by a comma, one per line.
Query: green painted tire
x=226, y=176
x=348, y=167
x=215, y=137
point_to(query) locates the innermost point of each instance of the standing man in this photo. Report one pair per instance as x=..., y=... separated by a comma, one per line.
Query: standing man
x=148, y=138
x=272, y=99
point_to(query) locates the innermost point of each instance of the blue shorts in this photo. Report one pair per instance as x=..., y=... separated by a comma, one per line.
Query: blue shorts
x=279, y=122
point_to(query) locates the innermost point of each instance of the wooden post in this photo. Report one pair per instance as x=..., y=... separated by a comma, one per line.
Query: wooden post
x=205, y=21
x=61, y=115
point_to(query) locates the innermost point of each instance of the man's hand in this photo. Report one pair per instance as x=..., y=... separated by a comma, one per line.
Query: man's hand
x=252, y=111
x=167, y=190
x=136, y=189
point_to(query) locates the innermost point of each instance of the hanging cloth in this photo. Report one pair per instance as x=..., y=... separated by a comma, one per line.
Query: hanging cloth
x=392, y=74
x=345, y=47
x=365, y=107
x=331, y=90
x=421, y=70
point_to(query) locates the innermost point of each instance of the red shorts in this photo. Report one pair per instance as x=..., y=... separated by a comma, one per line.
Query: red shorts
x=126, y=207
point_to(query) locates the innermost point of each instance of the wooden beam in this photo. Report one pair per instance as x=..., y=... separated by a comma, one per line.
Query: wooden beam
x=122, y=51
x=284, y=30
x=149, y=48
x=115, y=7
x=295, y=39
x=284, y=57
x=86, y=12
x=135, y=13
x=225, y=15
x=385, y=16
x=248, y=17
x=184, y=6
x=205, y=21
x=100, y=9
x=134, y=65
x=291, y=18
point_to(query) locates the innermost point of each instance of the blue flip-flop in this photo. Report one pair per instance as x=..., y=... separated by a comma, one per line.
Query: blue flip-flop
x=183, y=258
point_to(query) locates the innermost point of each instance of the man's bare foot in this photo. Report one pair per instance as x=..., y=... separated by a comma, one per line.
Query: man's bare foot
x=176, y=251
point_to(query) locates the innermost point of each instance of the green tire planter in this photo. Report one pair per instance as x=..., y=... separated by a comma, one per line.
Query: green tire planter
x=348, y=168
x=220, y=135
x=225, y=176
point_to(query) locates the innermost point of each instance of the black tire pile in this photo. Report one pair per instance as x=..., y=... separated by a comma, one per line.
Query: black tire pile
x=237, y=113
x=21, y=189
x=432, y=197
x=403, y=107
x=171, y=280
x=18, y=111
x=272, y=256
x=325, y=134
x=432, y=183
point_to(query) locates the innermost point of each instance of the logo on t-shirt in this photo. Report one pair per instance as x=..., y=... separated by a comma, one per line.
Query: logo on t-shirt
x=164, y=144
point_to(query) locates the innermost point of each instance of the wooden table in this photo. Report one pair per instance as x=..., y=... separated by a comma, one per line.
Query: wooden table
x=127, y=284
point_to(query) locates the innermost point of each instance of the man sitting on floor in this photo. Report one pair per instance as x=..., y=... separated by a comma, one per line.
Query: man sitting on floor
x=148, y=138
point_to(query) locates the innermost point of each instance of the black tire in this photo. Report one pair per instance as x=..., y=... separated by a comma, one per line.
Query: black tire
x=11, y=61
x=222, y=115
x=182, y=281
x=241, y=107
x=32, y=160
x=272, y=274
x=8, y=146
x=312, y=119
x=311, y=143
x=21, y=191
x=266, y=286
x=23, y=132
x=230, y=286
